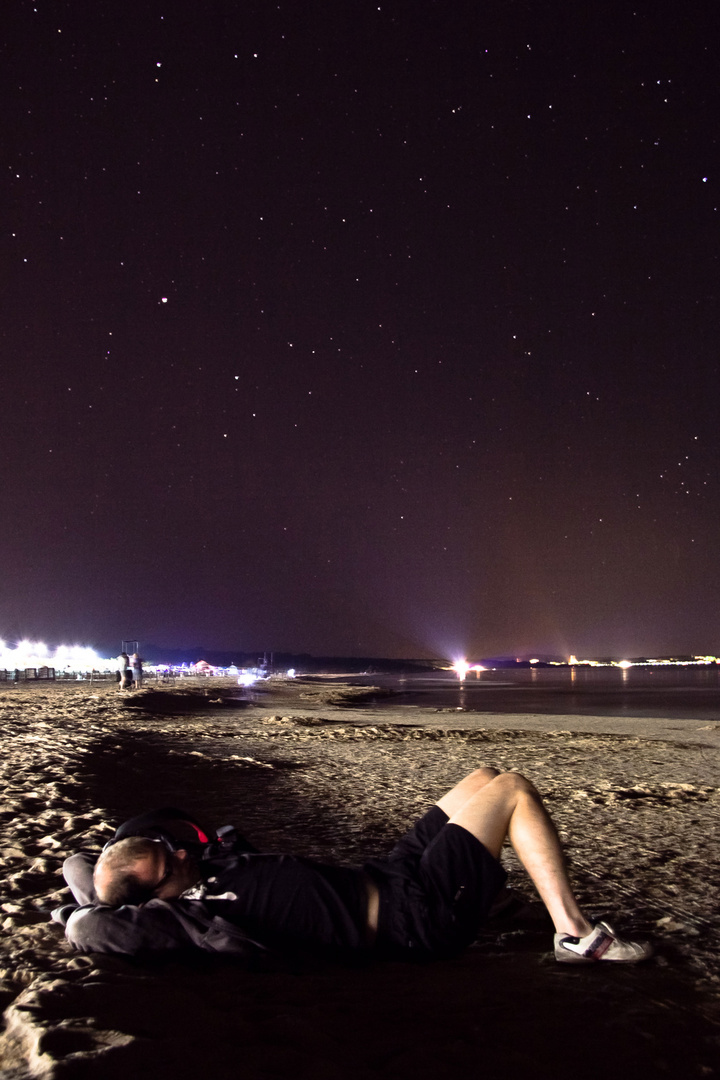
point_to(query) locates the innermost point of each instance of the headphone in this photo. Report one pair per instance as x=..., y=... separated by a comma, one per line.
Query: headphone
x=159, y=835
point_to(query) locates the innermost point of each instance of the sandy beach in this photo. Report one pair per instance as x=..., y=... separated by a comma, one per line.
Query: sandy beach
x=300, y=769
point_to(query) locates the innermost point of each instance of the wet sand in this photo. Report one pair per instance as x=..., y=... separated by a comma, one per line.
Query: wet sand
x=301, y=769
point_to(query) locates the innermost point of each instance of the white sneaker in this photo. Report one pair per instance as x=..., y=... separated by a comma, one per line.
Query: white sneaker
x=602, y=943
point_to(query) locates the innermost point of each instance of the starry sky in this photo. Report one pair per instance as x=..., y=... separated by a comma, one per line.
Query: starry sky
x=361, y=328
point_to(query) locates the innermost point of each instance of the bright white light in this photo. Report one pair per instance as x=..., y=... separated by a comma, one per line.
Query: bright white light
x=291, y=673
x=246, y=678
x=35, y=654
x=461, y=668
x=625, y=664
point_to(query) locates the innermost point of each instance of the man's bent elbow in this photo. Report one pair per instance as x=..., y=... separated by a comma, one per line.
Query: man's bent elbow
x=86, y=930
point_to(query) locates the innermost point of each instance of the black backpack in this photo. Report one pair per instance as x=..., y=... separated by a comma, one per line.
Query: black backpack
x=178, y=829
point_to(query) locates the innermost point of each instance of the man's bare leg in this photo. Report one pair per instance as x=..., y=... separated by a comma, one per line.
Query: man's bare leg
x=470, y=785
x=493, y=806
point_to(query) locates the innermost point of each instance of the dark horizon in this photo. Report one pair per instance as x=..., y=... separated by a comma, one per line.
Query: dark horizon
x=281, y=659
x=371, y=329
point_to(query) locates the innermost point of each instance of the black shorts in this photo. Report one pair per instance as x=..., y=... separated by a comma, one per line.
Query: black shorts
x=436, y=888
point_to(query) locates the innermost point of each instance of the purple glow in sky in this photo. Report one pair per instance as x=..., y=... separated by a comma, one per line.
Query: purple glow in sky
x=361, y=329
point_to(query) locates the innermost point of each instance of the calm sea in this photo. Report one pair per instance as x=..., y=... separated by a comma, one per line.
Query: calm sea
x=682, y=692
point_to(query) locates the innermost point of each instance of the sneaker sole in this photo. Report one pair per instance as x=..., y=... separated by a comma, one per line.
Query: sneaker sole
x=568, y=957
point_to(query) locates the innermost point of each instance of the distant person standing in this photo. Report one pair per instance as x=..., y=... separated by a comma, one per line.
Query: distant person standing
x=137, y=664
x=124, y=671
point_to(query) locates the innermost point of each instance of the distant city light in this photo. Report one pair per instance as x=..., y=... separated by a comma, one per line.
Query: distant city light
x=461, y=668
x=35, y=654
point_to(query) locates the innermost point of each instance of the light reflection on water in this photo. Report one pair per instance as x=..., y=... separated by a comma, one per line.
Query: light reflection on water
x=682, y=692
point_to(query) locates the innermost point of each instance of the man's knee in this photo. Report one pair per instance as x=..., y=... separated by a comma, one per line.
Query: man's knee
x=483, y=775
x=516, y=784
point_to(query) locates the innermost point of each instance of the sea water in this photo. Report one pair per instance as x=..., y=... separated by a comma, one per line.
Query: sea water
x=667, y=691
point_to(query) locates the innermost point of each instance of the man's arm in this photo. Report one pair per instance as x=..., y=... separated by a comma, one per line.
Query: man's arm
x=160, y=926
x=78, y=873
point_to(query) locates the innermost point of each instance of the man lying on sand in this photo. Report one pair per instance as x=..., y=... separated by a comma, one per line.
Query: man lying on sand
x=151, y=890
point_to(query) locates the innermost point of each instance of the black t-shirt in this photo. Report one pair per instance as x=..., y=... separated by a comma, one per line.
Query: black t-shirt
x=285, y=902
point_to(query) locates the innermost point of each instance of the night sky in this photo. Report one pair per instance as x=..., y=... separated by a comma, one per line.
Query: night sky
x=361, y=328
